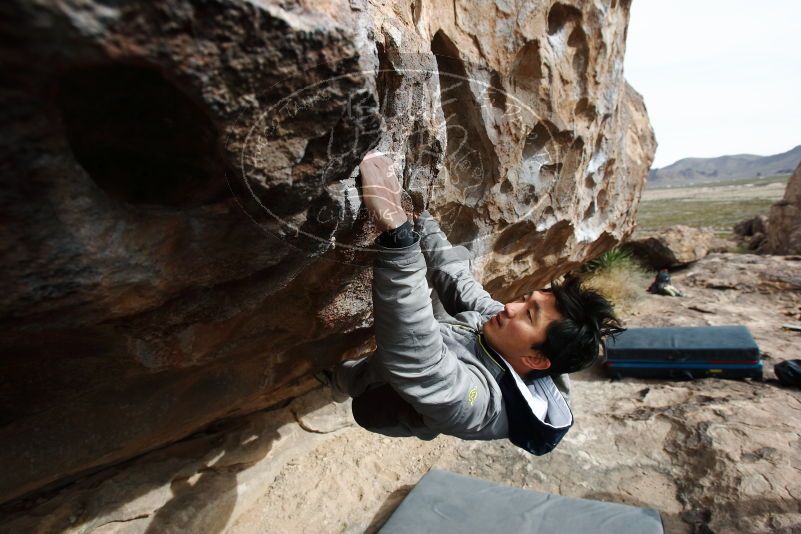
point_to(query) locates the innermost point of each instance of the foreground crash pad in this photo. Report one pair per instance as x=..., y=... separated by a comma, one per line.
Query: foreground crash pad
x=444, y=502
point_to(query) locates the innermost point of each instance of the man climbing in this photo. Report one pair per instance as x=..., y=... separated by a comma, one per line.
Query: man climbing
x=483, y=370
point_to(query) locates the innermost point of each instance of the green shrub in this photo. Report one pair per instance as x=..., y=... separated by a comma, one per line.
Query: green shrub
x=609, y=259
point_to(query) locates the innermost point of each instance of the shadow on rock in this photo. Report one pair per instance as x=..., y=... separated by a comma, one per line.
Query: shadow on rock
x=205, y=500
x=189, y=486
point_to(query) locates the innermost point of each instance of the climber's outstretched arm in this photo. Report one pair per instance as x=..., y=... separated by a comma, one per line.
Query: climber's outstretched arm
x=450, y=273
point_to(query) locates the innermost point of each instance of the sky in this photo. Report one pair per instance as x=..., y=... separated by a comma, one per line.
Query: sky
x=718, y=77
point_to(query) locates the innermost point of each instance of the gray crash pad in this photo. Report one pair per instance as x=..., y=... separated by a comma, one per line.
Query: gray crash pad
x=444, y=502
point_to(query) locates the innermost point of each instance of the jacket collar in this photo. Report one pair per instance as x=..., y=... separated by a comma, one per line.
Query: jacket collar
x=541, y=395
x=497, y=365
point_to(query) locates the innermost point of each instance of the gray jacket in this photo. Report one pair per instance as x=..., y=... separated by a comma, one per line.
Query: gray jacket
x=441, y=368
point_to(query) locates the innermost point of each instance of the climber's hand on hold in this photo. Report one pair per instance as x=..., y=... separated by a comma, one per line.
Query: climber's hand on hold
x=381, y=191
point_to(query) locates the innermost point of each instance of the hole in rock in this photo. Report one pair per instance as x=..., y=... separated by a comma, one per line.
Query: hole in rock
x=589, y=212
x=417, y=11
x=560, y=15
x=573, y=158
x=539, y=138
x=140, y=138
x=469, y=154
x=497, y=95
x=459, y=224
x=388, y=81
x=578, y=41
x=527, y=67
x=586, y=110
x=601, y=200
x=515, y=237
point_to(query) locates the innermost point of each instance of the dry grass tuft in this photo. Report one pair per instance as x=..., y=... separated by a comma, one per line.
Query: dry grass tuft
x=620, y=279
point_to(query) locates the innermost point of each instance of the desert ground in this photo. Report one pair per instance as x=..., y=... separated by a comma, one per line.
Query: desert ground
x=711, y=455
x=718, y=206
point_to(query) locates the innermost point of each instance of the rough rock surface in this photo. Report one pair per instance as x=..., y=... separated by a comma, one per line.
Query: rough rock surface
x=711, y=455
x=784, y=225
x=176, y=174
x=674, y=247
x=752, y=232
x=758, y=224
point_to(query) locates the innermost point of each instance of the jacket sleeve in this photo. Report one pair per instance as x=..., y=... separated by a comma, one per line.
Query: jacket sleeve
x=451, y=396
x=450, y=273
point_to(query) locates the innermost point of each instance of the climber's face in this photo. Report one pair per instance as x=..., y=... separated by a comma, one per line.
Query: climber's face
x=523, y=323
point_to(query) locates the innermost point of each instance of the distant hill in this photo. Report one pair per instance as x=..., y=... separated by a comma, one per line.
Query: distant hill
x=689, y=171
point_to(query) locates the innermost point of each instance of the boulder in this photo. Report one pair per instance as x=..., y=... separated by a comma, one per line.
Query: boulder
x=752, y=232
x=673, y=247
x=743, y=227
x=182, y=236
x=756, y=241
x=784, y=230
x=754, y=225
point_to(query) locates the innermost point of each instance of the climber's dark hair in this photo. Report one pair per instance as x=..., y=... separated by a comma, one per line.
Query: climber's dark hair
x=573, y=342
